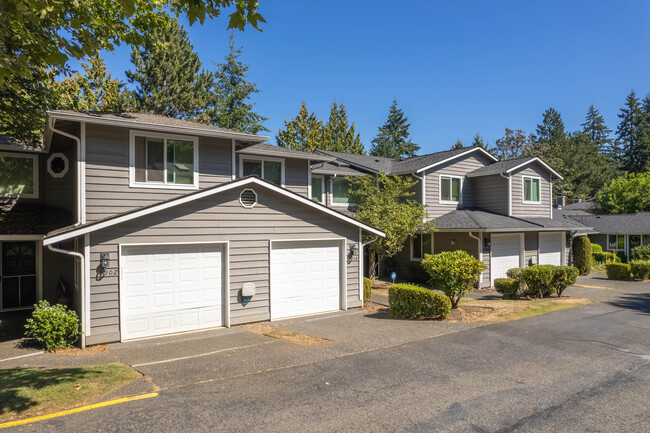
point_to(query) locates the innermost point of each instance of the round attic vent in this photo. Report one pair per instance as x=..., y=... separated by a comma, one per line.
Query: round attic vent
x=248, y=198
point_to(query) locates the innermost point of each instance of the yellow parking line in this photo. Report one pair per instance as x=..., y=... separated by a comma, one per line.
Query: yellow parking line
x=593, y=287
x=78, y=409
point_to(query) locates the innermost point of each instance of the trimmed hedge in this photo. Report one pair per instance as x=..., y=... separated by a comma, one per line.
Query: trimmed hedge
x=582, y=254
x=606, y=257
x=640, y=253
x=408, y=301
x=416, y=272
x=367, y=289
x=539, y=279
x=453, y=272
x=53, y=326
x=563, y=277
x=596, y=248
x=618, y=271
x=640, y=269
x=508, y=287
x=514, y=273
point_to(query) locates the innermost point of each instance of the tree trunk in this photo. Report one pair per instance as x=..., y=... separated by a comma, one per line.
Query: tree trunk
x=372, y=265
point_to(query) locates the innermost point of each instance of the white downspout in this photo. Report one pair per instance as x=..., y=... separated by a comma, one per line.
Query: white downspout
x=480, y=256
x=509, y=192
x=234, y=161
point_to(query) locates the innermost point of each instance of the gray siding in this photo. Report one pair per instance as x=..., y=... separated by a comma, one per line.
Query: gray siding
x=457, y=167
x=531, y=246
x=491, y=193
x=107, y=172
x=218, y=218
x=60, y=192
x=521, y=209
x=296, y=173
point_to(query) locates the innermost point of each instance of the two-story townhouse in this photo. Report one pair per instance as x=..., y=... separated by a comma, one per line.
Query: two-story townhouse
x=498, y=211
x=160, y=225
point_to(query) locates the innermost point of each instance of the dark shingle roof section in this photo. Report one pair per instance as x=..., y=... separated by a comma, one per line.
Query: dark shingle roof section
x=264, y=149
x=31, y=219
x=638, y=223
x=332, y=168
x=474, y=219
x=372, y=163
x=9, y=143
x=499, y=167
x=418, y=162
x=587, y=206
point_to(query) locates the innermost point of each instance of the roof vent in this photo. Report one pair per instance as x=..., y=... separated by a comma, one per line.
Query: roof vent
x=248, y=198
x=560, y=201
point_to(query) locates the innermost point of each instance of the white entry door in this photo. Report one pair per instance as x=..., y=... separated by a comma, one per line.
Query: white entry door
x=550, y=248
x=506, y=254
x=305, y=278
x=170, y=288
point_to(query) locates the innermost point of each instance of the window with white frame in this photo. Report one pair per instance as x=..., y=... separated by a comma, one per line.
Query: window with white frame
x=164, y=161
x=531, y=189
x=317, y=188
x=450, y=189
x=267, y=169
x=616, y=242
x=340, y=192
x=421, y=244
x=18, y=175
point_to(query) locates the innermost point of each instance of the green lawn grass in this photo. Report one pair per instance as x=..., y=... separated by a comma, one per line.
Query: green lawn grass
x=27, y=392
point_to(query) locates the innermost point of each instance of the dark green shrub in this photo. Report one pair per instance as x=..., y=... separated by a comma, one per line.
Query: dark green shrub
x=596, y=248
x=606, y=257
x=53, y=326
x=453, y=272
x=622, y=257
x=563, y=277
x=539, y=280
x=640, y=269
x=508, y=287
x=618, y=271
x=640, y=253
x=582, y=254
x=514, y=273
x=411, y=302
x=367, y=289
x=416, y=272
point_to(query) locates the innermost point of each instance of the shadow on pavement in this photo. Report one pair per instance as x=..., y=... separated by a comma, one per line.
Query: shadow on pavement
x=12, y=325
x=639, y=302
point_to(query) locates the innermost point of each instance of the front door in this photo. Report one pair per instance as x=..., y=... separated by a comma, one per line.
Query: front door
x=18, y=276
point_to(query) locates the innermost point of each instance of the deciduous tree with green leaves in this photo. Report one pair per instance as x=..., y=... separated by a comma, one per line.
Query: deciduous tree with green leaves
x=303, y=132
x=393, y=139
x=625, y=195
x=514, y=144
x=385, y=202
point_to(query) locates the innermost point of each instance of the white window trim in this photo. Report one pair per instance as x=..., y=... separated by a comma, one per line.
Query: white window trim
x=261, y=161
x=617, y=236
x=523, y=189
x=331, y=188
x=311, y=186
x=419, y=259
x=163, y=184
x=35, y=175
x=65, y=167
x=450, y=176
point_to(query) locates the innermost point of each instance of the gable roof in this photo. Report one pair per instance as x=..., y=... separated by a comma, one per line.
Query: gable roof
x=482, y=220
x=509, y=165
x=9, y=143
x=638, y=223
x=371, y=163
x=336, y=169
x=73, y=231
x=264, y=149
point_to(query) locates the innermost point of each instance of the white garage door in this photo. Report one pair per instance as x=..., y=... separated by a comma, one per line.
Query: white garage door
x=170, y=288
x=305, y=278
x=550, y=248
x=506, y=251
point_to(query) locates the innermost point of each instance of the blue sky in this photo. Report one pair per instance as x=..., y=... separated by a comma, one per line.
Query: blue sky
x=455, y=67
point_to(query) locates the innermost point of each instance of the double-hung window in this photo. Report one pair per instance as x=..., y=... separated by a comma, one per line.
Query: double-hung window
x=421, y=244
x=450, y=189
x=340, y=192
x=267, y=169
x=164, y=161
x=616, y=242
x=18, y=175
x=531, y=190
x=317, y=188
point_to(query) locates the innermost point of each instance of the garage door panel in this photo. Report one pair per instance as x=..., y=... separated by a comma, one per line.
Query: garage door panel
x=550, y=248
x=506, y=254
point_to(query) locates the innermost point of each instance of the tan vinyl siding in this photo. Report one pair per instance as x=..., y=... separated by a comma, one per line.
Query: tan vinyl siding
x=219, y=218
x=457, y=167
x=521, y=209
x=491, y=193
x=107, y=172
x=296, y=176
x=531, y=247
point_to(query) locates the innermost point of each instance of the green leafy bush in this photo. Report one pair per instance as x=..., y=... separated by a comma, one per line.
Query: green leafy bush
x=514, y=273
x=416, y=272
x=606, y=257
x=618, y=271
x=508, y=287
x=539, y=279
x=640, y=269
x=367, y=289
x=563, y=277
x=596, y=248
x=409, y=301
x=640, y=253
x=453, y=272
x=622, y=257
x=582, y=254
x=53, y=326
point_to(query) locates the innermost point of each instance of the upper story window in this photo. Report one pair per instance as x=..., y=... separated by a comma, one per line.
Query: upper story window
x=616, y=242
x=267, y=168
x=421, y=244
x=340, y=192
x=164, y=161
x=450, y=189
x=531, y=190
x=318, y=189
x=18, y=175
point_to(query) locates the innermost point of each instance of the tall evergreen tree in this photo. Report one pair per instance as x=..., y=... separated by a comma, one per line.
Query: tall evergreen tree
x=457, y=145
x=393, y=139
x=339, y=135
x=168, y=75
x=595, y=128
x=549, y=142
x=227, y=104
x=633, y=134
x=552, y=127
x=303, y=132
x=478, y=141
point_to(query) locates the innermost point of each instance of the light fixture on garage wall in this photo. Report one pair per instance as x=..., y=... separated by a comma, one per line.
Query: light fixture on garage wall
x=104, y=261
x=486, y=244
x=452, y=242
x=352, y=253
x=247, y=293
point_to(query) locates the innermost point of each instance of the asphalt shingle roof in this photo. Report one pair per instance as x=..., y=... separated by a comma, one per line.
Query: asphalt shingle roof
x=638, y=223
x=270, y=150
x=31, y=219
x=500, y=166
x=332, y=168
x=418, y=162
x=474, y=219
x=373, y=163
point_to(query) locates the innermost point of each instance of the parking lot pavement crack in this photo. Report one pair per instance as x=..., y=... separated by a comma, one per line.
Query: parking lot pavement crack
x=609, y=345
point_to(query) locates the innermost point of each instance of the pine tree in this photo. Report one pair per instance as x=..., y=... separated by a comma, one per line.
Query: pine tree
x=304, y=132
x=552, y=127
x=168, y=75
x=594, y=127
x=457, y=145
x=478, y=141
x=549, y=142
x=633, y=134
x=393, y=140
x=227, y=105
x=92, y=90
x=338, y=135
